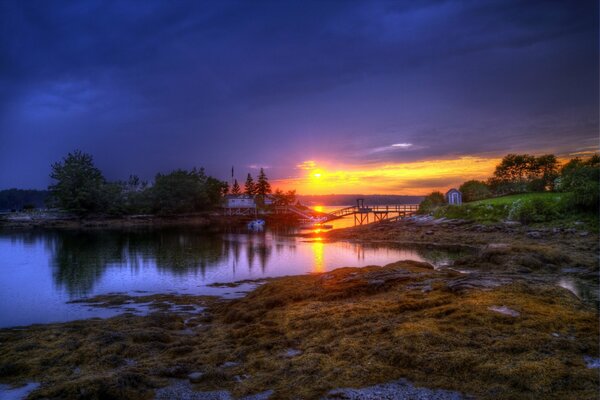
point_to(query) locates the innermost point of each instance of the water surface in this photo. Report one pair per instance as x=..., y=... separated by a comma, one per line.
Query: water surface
x=40, y=272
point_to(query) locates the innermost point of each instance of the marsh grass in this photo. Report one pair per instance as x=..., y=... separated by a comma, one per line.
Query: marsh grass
x=351, y=328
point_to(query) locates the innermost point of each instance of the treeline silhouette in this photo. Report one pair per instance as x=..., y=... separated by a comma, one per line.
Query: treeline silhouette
x=81, y=188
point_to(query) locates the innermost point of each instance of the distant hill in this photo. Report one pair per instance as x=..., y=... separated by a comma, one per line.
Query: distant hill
x=350, y=199
x=17, y=199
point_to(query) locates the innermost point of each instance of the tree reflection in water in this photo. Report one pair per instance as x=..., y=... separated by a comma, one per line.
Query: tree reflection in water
x=79, y=259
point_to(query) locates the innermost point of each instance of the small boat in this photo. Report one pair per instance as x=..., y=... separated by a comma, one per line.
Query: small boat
x=256, y=225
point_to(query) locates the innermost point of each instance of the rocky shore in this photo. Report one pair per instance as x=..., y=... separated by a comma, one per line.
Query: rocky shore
x=305, y=337
x=495, y=324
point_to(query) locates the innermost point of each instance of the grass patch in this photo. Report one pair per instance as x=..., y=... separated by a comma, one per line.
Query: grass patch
x=548, y=209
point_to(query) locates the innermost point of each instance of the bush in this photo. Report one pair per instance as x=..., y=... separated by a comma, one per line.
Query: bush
x=473, y=212
x=475, y=190
x=534, y=210
x=431, y=202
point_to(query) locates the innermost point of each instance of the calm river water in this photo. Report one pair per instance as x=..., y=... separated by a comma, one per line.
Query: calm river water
x=40, y=272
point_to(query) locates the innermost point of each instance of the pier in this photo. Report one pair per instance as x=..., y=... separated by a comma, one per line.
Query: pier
x=363, y=214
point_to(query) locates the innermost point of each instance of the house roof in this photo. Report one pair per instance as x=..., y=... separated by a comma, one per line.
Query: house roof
x=453, y=190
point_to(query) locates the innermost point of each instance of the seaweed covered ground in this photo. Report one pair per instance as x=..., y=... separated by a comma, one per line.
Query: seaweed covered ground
x=304, y=337
x=535, y=253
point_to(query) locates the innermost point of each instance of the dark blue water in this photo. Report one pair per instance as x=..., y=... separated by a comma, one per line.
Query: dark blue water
x=40, y=272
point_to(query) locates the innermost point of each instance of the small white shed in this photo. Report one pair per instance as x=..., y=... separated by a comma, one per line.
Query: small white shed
x=454, y=197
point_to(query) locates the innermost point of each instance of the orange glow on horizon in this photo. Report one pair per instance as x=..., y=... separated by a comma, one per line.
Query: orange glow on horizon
x=413, y=178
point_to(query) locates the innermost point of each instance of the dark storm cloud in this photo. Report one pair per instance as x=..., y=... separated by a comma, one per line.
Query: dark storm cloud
x=148, y=86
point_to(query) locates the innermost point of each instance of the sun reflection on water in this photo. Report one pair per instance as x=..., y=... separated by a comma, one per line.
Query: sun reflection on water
x=318, y=249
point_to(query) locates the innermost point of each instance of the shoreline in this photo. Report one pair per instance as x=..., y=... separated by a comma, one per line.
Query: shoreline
x=134, y=221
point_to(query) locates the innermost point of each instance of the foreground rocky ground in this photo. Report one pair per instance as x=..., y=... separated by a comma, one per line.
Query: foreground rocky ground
x=504, y=330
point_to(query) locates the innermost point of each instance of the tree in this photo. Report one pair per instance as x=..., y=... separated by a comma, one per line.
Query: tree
x=515, y=167
x=431, y=202
x=79, y=185
x=475, y=190
x=235, y=189
x=523, y=172
x=184, y=191
x=249, y=187
x=543, y=173
x=281, y=198
x=263, y=187
x=582, y=180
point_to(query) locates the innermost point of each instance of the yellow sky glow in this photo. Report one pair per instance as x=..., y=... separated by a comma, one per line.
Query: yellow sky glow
x=414, y=178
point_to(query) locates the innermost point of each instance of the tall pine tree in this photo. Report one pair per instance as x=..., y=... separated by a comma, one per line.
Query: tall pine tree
x=250, y=187
x=235, y=189
x=263, y=187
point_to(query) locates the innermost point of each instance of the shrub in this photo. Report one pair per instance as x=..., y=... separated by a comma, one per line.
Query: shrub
x=431, y=202
x=534, y=210
x=581, y=180
x=475, y=190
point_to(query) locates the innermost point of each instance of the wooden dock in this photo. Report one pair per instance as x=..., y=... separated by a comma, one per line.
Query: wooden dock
x=366, y=214
x=362, y=213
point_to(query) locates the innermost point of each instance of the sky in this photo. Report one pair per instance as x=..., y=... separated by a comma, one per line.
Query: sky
x=328, y=96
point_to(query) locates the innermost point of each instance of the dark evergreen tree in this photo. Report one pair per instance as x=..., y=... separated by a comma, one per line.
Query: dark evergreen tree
x=249, y=187
x=263, y=187
x=235, y=189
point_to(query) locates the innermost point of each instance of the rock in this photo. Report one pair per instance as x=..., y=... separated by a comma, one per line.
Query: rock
x=584, y=233
x=196, y=377
x=429, y=232
x=497, y=246
x=21, y=392
x=289, y=353
x=241, y=378
x=578, y=223
x=182, y=390
x=591, y=362
x=523, y=270
x=556, y=334
x=534, y=235
x=230, y=364
x=572, y=270
x=512, y=223
x=570, y=230
x=375, y=282
x=397, y=390
x=259, y=396
x=475, y=282
x=504, y=310
x=175, y=371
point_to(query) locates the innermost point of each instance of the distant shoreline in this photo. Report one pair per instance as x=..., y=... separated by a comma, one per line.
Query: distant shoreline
x=24, y=221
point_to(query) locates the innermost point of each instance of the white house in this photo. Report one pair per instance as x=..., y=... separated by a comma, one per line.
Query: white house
x=239, y=201
x=244, y=201
x=454, y=196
